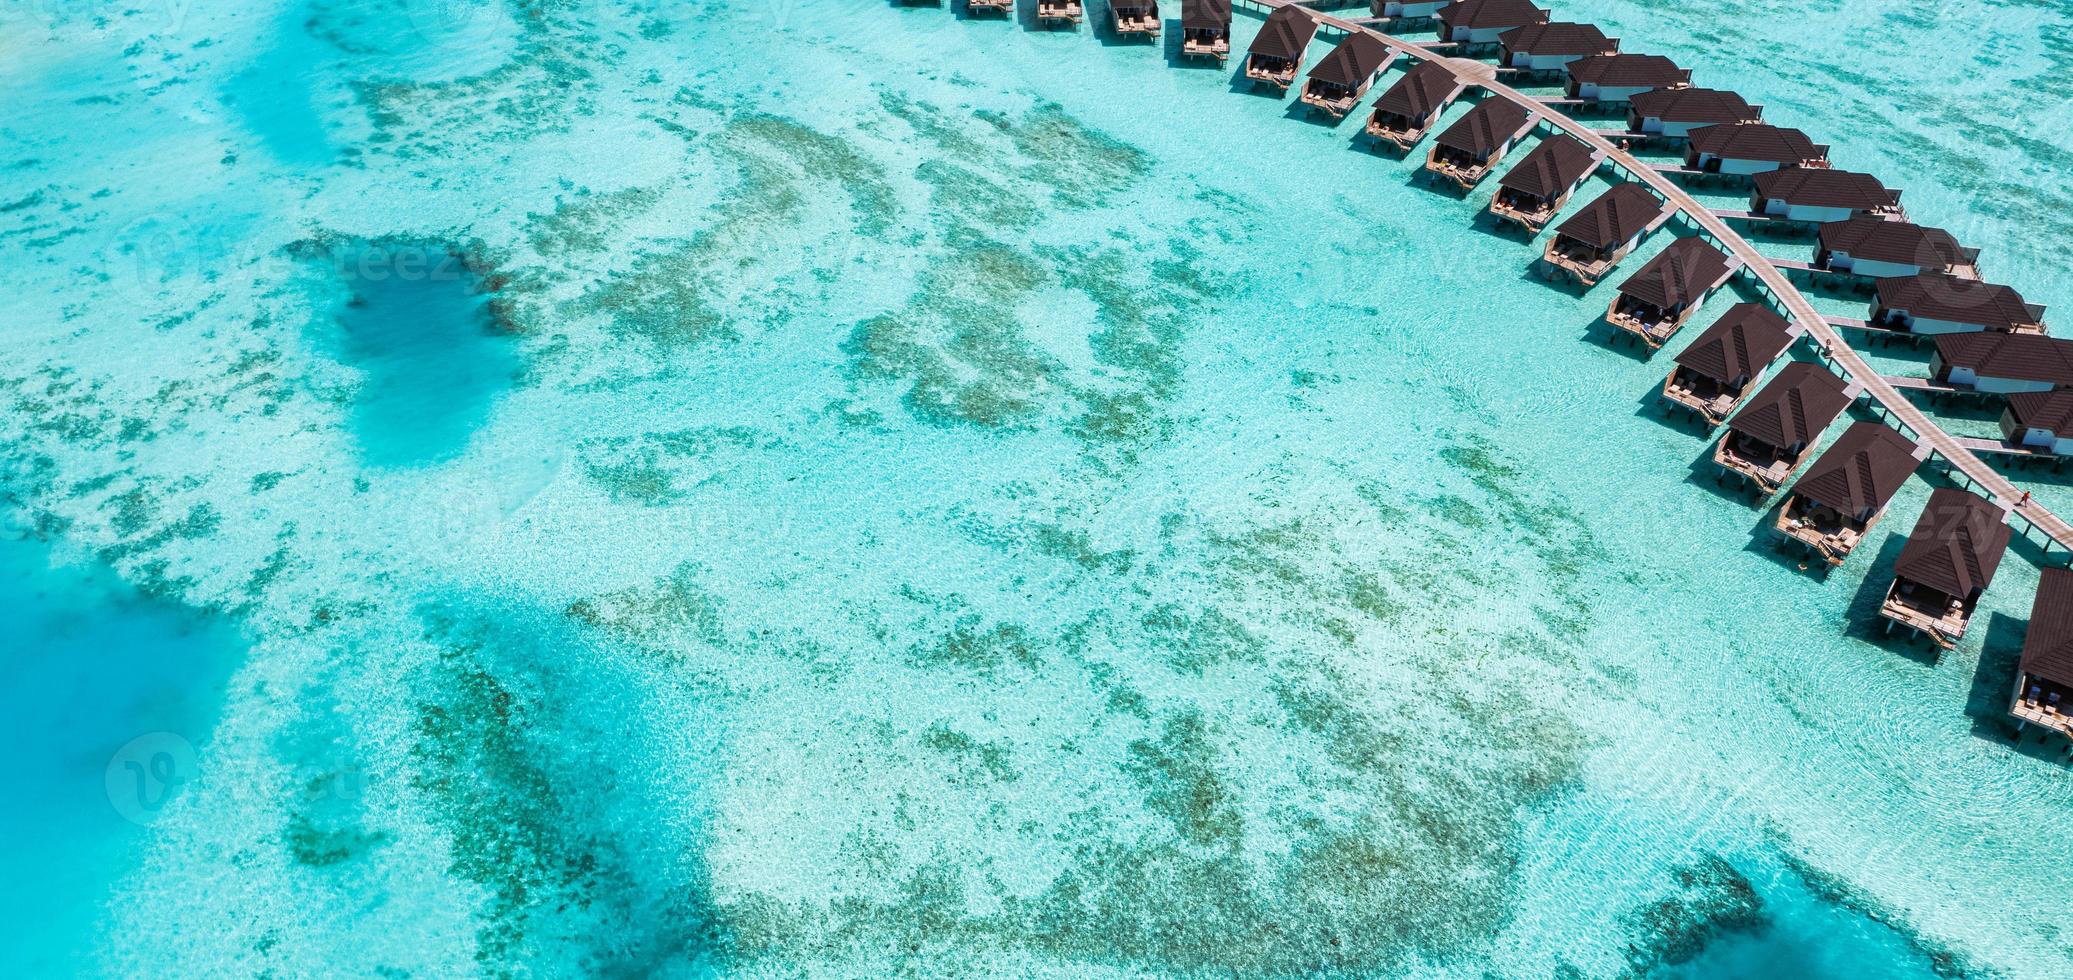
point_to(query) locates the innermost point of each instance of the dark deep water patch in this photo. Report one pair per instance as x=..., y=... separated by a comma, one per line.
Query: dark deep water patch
x=277, y=95
x=107, y=694
x=1797, y=931
x=416, y=323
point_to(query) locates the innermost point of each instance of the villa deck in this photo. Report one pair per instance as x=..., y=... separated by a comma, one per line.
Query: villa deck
x=2043, y=694
x=1276, y=54
x=1842, y=496
x=1654, y=303
x=1591, y=243
x=1408, y=108
x=1205, y=27
x=1341, y=80
x=1768, y=439
x=1948, y=562
x=1476, y=142
x=1067, y=12
x=1135, y=18
x=1534, y=191
x=1716, y=371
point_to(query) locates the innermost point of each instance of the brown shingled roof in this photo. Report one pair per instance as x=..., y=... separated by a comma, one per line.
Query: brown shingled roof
x=1613, y=217
x=1956, y=545
x=1794, y=407
x=1695, y=105
x=1205, y=14
x=1628, y=70
x=1560, y=37
x=1866, y=237
x=1419, y=92
x=1680, y=274
x=1352, y=61
x=2048, y=646
x=1490, y=13
x=1826, y=188
x=1937, y=296
x=1484, y=127
x=2015, y=356
x=1558, y=162
x=2051, y=410
x=1862, y=470
x=1285, y=35
x=1744, y=341
x=1757, y=141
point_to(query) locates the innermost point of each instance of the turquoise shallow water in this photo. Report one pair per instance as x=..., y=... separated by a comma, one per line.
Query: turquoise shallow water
x=893, y=495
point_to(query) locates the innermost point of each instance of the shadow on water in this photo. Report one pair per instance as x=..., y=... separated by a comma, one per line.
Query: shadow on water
x=1765, y=542
x=1172, y=38
x=1651, y=406
x=1602, y=334
x=1862, y=619
x=1500, y=229
x=1709, y=476
x=1986, y=703
x=417, y=325
x=1299, y=111
x=1993, y=685
x=109, y=694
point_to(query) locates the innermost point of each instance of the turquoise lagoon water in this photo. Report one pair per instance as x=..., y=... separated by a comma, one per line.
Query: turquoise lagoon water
x=895, y=495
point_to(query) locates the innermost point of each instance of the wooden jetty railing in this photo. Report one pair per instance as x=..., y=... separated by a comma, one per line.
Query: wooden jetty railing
x=1835, y=351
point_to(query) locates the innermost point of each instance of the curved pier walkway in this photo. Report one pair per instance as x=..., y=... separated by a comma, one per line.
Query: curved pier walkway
x=1845, y=359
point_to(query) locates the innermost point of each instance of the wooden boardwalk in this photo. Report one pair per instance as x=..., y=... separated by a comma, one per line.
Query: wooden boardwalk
x=2004, y=447
x=1752, y=217
x=1841, y=357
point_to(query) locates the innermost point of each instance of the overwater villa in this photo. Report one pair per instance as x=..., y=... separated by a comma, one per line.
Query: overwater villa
x=1339, y=81
x=1751, y=148
x=1846, y=490
x=1596, y=238
x=1675, y=112
x=1654, y=303
x=1769, y=437
x=1617, y=78
x=1880, y=249
x=1277, y=52
x=1548, y=47
x=2044, y=676
x=1066, y=12
x=2002, y=363
x=1947, y=563
x=1818, y=194
x=1409, y=107
x=2040, y=420
x=1466, y=151
x=1135, y=18
x=1479, y=22
x=1403, y=10
x=1005, y=8
x=1714, y=372
x=1205, y=28
x=1935, y=303
x=1533, y=191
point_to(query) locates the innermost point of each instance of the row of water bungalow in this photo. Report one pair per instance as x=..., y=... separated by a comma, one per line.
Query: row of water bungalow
x=1987, y=339
x=1951, y=554
x=1949, y=557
